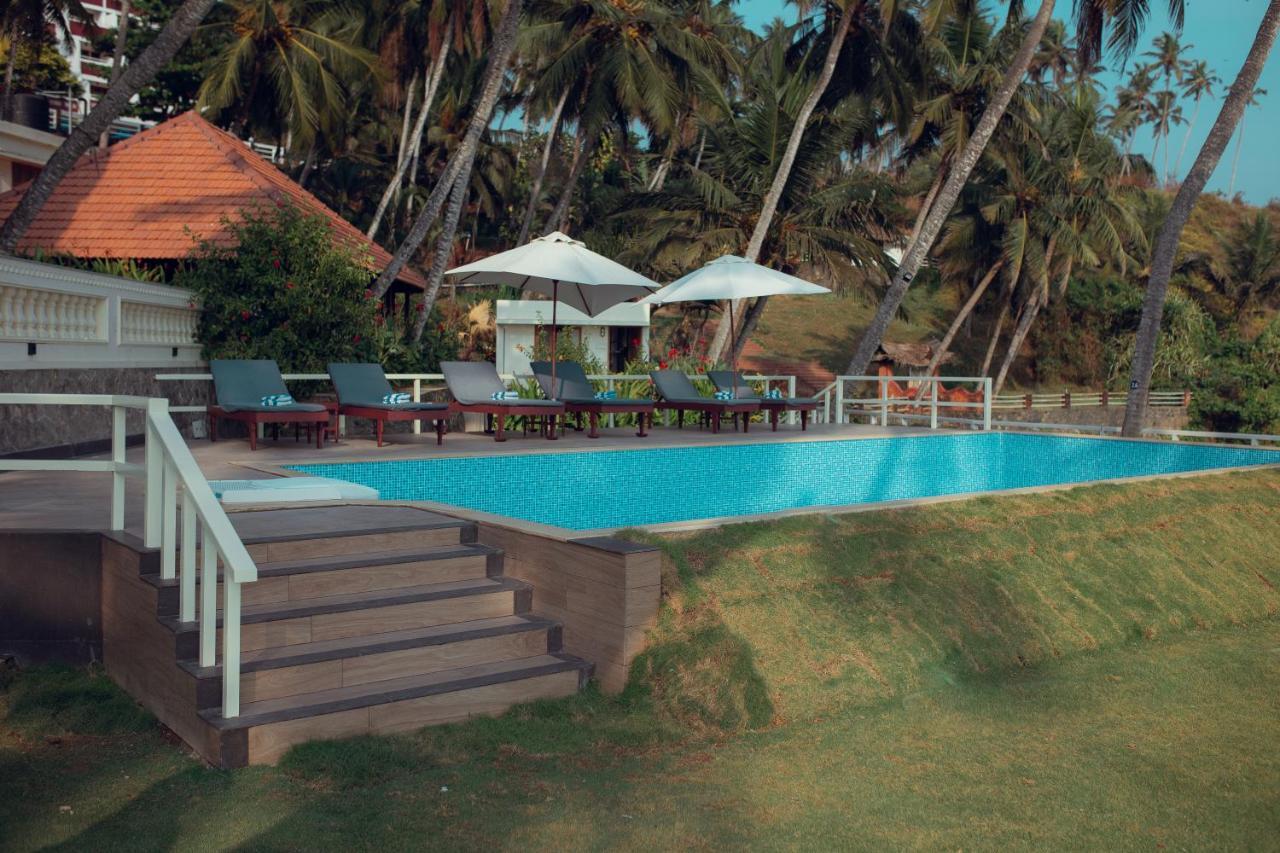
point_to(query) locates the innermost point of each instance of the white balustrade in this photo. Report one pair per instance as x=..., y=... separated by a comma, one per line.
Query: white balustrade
x=172, y=479
x=141, y=323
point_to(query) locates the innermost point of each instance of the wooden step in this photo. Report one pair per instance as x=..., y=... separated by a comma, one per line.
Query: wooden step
x=266, y=729
x=317, y=577
x=298, y=533
x=306, y=667
x=362, y=614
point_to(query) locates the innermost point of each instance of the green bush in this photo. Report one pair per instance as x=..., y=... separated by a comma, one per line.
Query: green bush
x=283, y=288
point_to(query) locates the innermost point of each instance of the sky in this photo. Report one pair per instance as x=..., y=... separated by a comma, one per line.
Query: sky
x=1220, y=32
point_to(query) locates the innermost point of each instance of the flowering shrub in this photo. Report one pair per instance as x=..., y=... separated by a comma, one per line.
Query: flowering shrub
x=285, y=289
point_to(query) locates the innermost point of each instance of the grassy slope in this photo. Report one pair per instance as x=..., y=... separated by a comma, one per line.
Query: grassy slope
x=1087, y=668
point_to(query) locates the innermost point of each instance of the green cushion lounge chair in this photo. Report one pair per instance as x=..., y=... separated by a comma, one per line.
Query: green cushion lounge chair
x=579, y=396
x=677, y=392
x=473, y=385
x=728, y=380
x=240, y=385
x=362, y=392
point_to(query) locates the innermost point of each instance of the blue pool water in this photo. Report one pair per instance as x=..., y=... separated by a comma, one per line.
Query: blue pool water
x=623, y=488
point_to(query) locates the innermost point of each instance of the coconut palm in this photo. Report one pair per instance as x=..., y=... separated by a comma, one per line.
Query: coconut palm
x=286, y=69
x=1235, y=158
x=1165, y=114
x=1242, y=91
x=1198, y=82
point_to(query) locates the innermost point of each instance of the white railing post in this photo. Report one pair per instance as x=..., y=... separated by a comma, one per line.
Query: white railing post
x=417, y=398
x=839, y=400
x=986, y=403
x=884, y=402
x=230, y=647
x=118, y=458
x=208, y=598
x=154, y=461
x=933, y=406
x=791, y=392
x=169, y=527
x=187, y=574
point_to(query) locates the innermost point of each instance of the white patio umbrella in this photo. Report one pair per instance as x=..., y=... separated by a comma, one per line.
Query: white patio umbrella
x=731, y=277
x=565, y=270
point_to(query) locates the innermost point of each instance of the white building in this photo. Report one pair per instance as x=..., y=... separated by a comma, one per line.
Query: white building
x=614, y=336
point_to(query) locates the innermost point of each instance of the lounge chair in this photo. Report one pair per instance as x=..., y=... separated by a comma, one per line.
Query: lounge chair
x=362, y=393
x=579, y=396
x=473, y=385
x=240, y=386
x=675, y=391
x=728, y=380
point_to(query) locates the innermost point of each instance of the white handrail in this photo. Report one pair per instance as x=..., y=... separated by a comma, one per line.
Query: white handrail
x=884, y=403
x=169, y=467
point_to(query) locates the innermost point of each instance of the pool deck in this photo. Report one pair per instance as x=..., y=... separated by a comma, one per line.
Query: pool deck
x=79, y=501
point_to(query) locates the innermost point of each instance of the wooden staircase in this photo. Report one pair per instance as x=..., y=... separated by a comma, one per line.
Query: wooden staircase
x=367, y=620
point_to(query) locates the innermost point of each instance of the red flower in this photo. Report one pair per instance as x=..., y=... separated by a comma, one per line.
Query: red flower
x=368, y=294
x=276, y=263
x=355, y=339
x=379, y=320
x=635, y=342
x=288, y=285
x=662, y=365
x=422, y=306
x=672, y=353
x=245, y=315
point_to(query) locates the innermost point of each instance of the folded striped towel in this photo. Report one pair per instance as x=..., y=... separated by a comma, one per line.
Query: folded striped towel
x=505, y=395
x=606, y=395
x=396, y=398
x=274, y=400
x=724, y=395
x=773, y=394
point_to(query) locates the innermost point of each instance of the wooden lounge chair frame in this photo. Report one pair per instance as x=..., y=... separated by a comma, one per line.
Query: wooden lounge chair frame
x=711, y=409
x=570, y=374
x=775, y=407
x=486, y=379
x=263, y=377
x=372, y=376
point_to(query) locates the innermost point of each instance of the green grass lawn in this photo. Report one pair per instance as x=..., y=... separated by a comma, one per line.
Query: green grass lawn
x=1094, y=668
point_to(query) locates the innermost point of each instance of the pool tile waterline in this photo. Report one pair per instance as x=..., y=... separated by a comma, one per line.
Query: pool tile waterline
x=625, y=488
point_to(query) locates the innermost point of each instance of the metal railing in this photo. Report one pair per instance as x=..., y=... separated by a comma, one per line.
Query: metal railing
x=924, y=396
x=172, y=478
x=611, y=381
x=1087, y=399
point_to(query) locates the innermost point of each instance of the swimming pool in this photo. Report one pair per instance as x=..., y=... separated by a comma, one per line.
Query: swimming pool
x=626, y=488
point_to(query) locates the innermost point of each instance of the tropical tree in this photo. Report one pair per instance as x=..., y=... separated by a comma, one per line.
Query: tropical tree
x=137, y=74
x=1166, y=244
x=27, y=22
x=1165, y=114
x=1198, y=82
x=1235, y=158
x=286, y=69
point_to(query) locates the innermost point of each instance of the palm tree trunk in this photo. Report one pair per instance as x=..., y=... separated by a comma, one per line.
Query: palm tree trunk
x=771, y=198
x=927, y=203
x=1166, y=244
x=117, y=59
x=1235, y=158
x=419, y=126
x=702, y=146
x=444, y=249
x=504, y=42
x=535, y=191
x=583, y=144
x=961, y=168
x=1186, y=137
x=1020, y=331
x=995, y=338
x=6, y=104
x=139, y=73
x=965, y=310
x=309, y=164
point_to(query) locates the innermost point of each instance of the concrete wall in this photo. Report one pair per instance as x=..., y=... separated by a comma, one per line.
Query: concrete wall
x=76, y=428
x=1159, y=417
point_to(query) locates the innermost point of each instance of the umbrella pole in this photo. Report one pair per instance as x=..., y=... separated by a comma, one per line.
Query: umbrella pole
x=555, y=302
x=733, y=345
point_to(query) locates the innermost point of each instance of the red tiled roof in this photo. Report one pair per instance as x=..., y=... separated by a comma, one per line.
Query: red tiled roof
x=154, y=194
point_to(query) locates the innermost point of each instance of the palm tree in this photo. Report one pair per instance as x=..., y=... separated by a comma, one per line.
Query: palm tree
x=28, y=22
x=1198, y=82
x=458, y=169
x=1165, y=114
x=1235, y=158
x=137, y=74
x=286, y=69
x=1166, y=243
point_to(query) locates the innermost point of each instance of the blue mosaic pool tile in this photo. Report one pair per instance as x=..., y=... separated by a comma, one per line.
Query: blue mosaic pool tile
x=622, y=488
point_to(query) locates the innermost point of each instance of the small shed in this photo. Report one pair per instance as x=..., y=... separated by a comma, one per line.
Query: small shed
x=614, y=336
x=902, y=359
